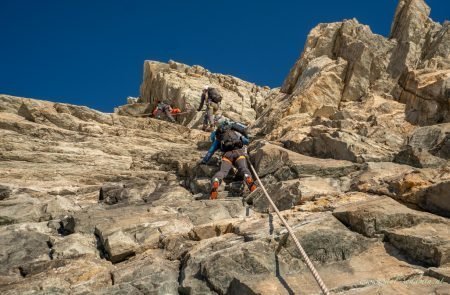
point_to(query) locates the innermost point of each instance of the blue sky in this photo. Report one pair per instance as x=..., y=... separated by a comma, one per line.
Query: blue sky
x=92, y=52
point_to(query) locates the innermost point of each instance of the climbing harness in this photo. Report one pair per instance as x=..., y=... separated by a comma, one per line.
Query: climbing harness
x=297, y=243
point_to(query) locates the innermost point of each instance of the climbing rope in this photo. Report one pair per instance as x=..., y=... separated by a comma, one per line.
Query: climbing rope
x=297, y=243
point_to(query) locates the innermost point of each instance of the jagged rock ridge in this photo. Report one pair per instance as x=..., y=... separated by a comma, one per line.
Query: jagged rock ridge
x=181, y=85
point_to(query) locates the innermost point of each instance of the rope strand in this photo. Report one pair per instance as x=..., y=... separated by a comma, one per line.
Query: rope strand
x=297, y=243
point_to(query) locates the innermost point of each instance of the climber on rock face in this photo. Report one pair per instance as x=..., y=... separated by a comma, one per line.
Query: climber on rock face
x=163, y=107
x=230, y=138
x=212, y=97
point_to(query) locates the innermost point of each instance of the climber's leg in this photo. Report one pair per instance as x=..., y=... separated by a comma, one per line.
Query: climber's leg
x=241, y=163
x=225, y=167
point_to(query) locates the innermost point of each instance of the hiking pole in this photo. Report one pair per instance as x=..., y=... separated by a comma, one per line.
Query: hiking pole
x=297, y=243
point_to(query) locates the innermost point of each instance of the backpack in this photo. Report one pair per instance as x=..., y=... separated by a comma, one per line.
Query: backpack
x=214, y=95
x=230, y=140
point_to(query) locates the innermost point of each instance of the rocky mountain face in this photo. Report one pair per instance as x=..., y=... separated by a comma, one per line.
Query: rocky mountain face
x=181, y=86
x=354, y=148
x=354, y=95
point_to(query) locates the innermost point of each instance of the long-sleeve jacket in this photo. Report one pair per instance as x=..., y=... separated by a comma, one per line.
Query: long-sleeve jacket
x=202, y=101
x=161, y=107
x=216, y=141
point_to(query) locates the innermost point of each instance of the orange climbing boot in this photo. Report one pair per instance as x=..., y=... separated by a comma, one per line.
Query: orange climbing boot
x=250, y=183
x=214, y=189
x=213, y=195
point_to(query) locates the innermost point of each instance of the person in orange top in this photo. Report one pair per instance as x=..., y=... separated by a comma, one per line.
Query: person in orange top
x=163, y=107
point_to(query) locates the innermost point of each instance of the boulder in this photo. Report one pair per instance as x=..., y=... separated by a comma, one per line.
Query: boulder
x=377, y=216
x=290, y=193
x=22, y=208
x=176, y=246
x=128, y=192
x=417, y=157
x=125, y=232
x=207, y=211
x=73, y=246
x=437, y=49
x=149, y=273
x=21, y=249
x=325, y=240
x=344, y=145
x=426, y=147
x=435, y=198
x=134, y=110
x=329, y=202
x=427, y=96
x=427, y=243
x=285, y=164
x=373, y=177
x=214, y=229
x=78, y=276
x=284, y=194
x=191, y=279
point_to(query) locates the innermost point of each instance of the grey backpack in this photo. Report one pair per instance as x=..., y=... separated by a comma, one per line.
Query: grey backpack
x=214, y=95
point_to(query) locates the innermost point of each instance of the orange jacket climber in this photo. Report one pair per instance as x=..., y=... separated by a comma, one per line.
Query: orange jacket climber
x=165, y=108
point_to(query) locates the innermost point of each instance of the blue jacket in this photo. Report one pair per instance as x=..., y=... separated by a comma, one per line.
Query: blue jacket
x=216, y=145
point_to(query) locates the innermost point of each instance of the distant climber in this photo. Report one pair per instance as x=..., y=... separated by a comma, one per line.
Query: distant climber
x=212, y=98
x=230, y=138
x=164, y=107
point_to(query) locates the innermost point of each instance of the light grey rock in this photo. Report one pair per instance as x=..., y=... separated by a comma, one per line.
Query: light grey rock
x=375, y=217
x=435, y=198
x=326, y=240
x=285, y=195
x=79, y=276
x=427, y=96
x=73, y=246
x=206, y=211
x=20, y=250
x=285, y=164
x=291, y=193
x=437, y=49
x=427, y=243
x=410, y=24
x=426, y=147
x=123, y=236
x=149, y=273
x=374, y=177
x=135, y=110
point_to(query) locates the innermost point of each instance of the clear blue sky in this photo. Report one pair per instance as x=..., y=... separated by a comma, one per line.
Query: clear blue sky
x=92, y=52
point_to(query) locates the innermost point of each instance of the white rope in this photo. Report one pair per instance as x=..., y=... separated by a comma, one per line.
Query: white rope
x=297, y=243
